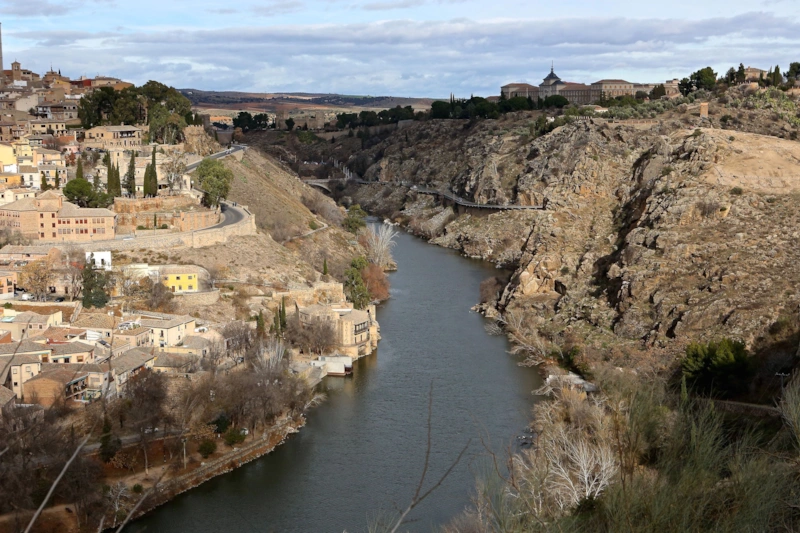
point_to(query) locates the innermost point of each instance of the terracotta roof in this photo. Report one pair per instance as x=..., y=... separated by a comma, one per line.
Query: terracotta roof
x=22, y=347
x=27, y=317
x=92, y=368
x=58, y=334
x=6, y=396
x=71, y=210
x=166, y=323
x=7, y=361
x=174, y=360
x=61, y=375
x=70, y=348
x=195, y=342
x=130, y=360
x=96, y=321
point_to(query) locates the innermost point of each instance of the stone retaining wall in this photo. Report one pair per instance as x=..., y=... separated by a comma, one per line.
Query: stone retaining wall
x=198, y=298
x=188, y=239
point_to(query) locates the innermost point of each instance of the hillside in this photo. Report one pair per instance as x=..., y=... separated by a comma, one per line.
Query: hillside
x=654, y=235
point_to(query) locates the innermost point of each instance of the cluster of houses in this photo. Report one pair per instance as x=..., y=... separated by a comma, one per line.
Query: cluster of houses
x=46, y=359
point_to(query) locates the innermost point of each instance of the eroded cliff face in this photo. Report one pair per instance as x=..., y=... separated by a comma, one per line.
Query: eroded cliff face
x=652, y=235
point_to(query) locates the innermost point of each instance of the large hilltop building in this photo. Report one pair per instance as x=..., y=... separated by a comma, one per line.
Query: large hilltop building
x=49, y=218
x=580, y=93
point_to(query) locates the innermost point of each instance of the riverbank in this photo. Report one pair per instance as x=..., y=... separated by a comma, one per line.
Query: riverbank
x=362, y=450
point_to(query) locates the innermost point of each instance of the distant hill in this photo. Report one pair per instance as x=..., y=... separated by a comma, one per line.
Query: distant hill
x=274, y=101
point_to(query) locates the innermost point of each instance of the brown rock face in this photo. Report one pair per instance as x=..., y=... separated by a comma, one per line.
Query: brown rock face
x=652, y=237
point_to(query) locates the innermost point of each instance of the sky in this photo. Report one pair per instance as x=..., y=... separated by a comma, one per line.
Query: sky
x=416, y=48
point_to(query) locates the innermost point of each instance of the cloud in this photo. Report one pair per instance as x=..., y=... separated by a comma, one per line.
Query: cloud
x=26, y=8
x=419, y=58
x=223, y=11
x=392, y=4
x=278, y=7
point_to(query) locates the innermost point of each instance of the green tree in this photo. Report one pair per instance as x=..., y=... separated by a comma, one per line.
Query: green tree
x=44, y=185
x=109, y=444
x=206, y=448
x=741, y=75
x=283, y=314
x=354, y=286
x=777, y=77
x=57, y=181
x=794, y=71
x=261, y=326
x=96, y=181
x=556, y=100
x=79, y=192
x=657, y=92
x=354, y=220
x=325, y=266
x=113, y=186
x=721, y=367
x=130, y=176
x=290, y=123
x=214, y=179
x=79, y=170
x=95, y=284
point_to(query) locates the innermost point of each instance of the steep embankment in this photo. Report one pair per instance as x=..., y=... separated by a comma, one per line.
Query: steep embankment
x=282, y=205
x=653, y=235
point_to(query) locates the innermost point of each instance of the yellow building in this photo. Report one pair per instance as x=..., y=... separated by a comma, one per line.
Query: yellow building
x=180, y=280
x=7, y=156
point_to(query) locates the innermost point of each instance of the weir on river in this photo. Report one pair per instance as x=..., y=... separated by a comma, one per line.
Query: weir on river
x=362, y=451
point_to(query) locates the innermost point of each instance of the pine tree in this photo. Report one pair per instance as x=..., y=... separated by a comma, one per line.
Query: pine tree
x=79, y=170
x=325, y=266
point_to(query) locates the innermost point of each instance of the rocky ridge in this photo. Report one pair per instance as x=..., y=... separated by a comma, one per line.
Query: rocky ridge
x=653, y=236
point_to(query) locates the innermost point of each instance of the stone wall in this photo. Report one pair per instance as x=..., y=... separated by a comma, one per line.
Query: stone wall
x=192, y=299
x=160, y=204
x=188, y=239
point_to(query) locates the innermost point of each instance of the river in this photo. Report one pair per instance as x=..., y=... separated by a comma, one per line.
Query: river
x=362, y=452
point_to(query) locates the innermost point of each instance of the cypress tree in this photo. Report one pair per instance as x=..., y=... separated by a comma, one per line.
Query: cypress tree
x=261, y=327
x=44, y=186
x=130, y=176
x=113, y=186
x=79, y=170
x=283, y=313
x=58, y=181
x=153, y=176
x=325, y=266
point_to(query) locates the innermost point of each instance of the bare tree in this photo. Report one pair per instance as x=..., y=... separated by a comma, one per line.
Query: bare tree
x=174, y=169
x=216, y=272
x=37, y=277
x=74, y=263
x=267, y=357
x=379, y=243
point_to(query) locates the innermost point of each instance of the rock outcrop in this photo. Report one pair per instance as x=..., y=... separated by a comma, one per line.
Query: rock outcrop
x=653, y=235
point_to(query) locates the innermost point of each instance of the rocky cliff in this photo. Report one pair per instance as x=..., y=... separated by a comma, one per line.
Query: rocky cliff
x=653, y=235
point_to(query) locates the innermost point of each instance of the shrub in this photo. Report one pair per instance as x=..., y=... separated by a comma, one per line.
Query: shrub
x=164, y=226
x=721, y=366
x=138, y=489
x=313, y=225
x=207, y=447
x=233, y=436
x=490, y=290
x=140, y=227
x=221, y=423
x=737, y=191
x=8, y=305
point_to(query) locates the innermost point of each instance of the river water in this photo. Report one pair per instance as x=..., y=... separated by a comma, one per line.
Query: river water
x=361, y=454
